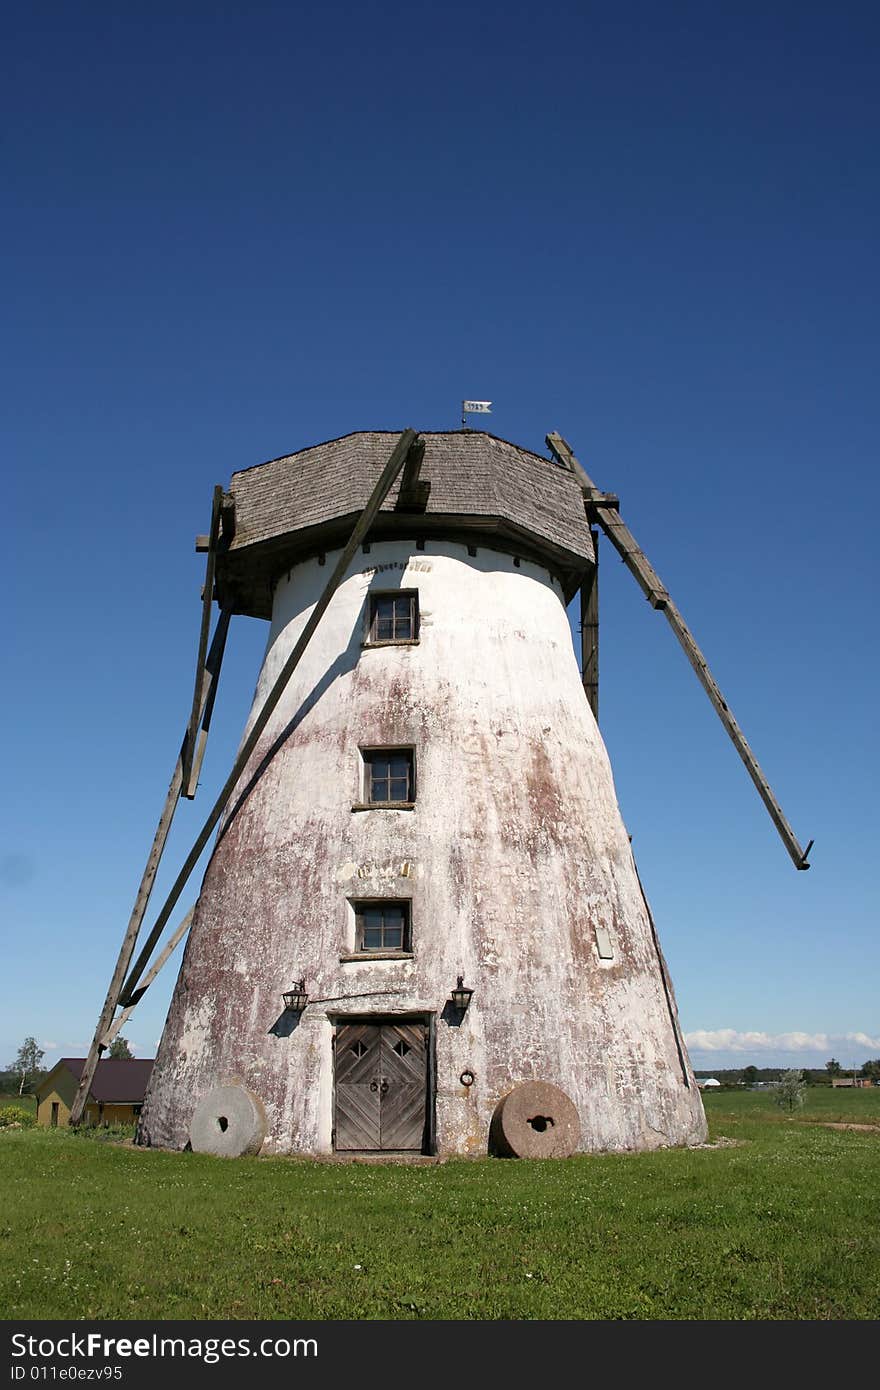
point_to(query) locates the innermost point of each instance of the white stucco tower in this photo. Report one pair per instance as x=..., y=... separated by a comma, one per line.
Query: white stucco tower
x=431, y=801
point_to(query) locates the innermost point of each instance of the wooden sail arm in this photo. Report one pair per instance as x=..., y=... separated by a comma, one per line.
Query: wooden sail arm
x=210, y=676
x=602, y=509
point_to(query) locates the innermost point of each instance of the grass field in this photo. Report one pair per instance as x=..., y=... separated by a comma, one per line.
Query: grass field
x=784, y=1222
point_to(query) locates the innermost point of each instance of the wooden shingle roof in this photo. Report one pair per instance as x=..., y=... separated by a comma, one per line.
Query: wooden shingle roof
x=482, y=487
x=117, y=1080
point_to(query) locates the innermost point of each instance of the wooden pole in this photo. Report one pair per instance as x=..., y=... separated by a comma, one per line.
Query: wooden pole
x=212, y=666
x=602, y=509
x=163, y=956
x=590, y=632
x=667, y=983
x=210, y=675
x=207, y=601
x=380, y=492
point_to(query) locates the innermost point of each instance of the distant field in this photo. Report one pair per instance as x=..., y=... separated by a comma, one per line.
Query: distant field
x=782, y=1223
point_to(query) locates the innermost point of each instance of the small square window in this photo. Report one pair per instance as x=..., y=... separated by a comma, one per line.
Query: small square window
x=394, y=617
x=382, y=926
x=389, y=776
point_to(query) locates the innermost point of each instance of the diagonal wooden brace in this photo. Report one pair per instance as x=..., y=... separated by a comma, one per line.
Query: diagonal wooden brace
x=608, y=517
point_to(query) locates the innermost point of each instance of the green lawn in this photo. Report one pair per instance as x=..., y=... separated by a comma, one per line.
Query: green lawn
x=783, y=1223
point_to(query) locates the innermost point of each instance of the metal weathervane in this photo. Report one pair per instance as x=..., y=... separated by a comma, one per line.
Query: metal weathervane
x=474, y=408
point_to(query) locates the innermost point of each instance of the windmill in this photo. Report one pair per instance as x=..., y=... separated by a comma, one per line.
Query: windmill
x=421, y=928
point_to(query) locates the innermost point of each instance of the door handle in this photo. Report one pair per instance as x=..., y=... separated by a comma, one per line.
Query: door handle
x=374, y=1085
x=383, y=1086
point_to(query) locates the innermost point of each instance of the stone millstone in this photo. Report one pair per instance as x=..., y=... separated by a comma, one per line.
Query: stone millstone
x=535, y=1120
x=229, y=1121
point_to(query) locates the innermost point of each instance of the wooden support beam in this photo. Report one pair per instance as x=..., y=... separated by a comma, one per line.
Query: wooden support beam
x=163, y=956
x=212, y=668
x=380, y=492
x=211, y=678
x=589, y=596
x=414, y=492
x=608, y=518
x=207, y=601
x=227, y=518
x=667, y=983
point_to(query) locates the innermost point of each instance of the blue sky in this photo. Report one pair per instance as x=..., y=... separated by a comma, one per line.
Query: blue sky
x=231, y=232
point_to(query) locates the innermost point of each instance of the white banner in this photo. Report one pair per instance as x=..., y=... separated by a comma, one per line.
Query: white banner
x=476, y=407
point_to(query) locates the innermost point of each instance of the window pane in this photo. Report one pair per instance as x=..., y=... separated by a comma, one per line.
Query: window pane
x=393, y=939
x=403, y=607
x=398, y=765
x=399, y=789
x=380, y=789
x=383, y=618
x=372, y=939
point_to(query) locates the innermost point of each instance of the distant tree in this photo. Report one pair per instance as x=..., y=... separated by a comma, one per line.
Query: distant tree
x=750, y=1075
x=833, y=1067
x=872, y=1069
x=27, y=1061
x=120, y=1048
x=808, y=1077
x=788, y=1091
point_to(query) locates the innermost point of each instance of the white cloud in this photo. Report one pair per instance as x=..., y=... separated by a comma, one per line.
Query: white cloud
x=863, y=1039
x=49, y=1046
x=731, y=1040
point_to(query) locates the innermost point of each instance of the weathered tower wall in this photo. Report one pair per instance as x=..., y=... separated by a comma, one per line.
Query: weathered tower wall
x=514, y=859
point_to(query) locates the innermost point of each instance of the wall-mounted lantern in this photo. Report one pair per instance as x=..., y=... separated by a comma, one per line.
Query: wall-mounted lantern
x=461, y=995
x=296, y=998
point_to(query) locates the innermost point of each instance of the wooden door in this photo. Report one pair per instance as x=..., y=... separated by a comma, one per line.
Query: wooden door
x=381, y=1086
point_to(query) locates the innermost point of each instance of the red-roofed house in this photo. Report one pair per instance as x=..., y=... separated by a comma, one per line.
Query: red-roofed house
x=115, y=1097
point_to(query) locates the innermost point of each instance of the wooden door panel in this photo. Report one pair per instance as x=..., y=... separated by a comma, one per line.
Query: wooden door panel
x=357, y=1117
x=404, y=1090
x=402, y=1117
x=358, y=1098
